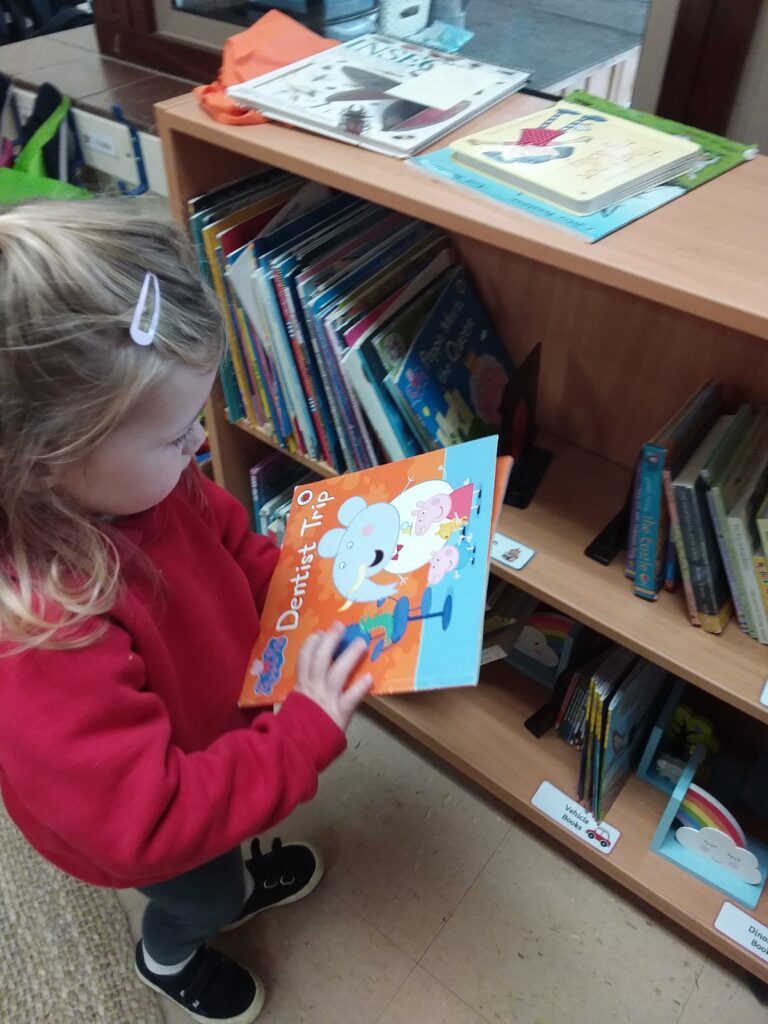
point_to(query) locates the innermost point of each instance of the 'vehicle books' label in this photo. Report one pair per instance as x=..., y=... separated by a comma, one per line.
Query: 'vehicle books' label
x=570, y=815
x=400, y=555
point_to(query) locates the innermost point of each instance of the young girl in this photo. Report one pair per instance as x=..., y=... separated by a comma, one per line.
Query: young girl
x=130, y=593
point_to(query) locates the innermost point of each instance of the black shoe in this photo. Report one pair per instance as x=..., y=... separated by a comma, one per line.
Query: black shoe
x=212, y=988
x=284, y=875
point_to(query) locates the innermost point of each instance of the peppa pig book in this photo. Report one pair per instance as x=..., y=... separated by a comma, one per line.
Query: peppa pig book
x=398, y=553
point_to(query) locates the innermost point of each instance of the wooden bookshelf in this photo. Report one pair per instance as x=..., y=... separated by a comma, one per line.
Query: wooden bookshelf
x=629, y=327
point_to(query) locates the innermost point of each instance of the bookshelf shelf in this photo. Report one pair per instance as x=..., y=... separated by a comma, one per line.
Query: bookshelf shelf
x=659, y=259
x=480, y=732
x=579, y=495
x=629, y=327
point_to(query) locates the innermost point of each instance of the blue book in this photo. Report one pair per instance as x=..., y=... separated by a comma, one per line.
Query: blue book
x=454, y=376
x=669, y=449
x=591, y=227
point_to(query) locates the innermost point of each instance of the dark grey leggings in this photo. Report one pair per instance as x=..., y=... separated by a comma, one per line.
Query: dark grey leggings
x=185, y=911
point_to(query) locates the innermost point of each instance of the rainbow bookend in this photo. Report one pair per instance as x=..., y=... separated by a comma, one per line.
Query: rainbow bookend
x=701, y=836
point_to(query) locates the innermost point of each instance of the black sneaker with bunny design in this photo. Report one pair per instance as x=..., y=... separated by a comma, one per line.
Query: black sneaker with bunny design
x=288, y=872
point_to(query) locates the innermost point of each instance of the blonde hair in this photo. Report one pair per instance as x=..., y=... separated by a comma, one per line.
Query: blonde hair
x=70, y=277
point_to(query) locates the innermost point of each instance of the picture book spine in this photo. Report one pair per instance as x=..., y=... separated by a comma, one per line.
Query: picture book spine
x=427, y=442
x=306, y=376
x=565, y=702
x=728, y=554
x=685, y=574
x=233, y=345
x=761, y=571
x=629, y=565
x=286, y=369
x=703, y=559
x=358, y=426
x=327, y=382
x=651, y=522
x=762, y=526
x=742, y=549
x=340, y=405
x=254, y=377
x=671, y=560
x=233, y=402
x=353, y=368
x=253, y=477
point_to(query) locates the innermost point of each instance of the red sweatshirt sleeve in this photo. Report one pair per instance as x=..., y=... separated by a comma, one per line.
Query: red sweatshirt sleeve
x=88, y=753
x=255, y=554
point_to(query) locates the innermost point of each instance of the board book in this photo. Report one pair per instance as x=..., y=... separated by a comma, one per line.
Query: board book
x=576, y=157
x=400, y=555
x=389, y=95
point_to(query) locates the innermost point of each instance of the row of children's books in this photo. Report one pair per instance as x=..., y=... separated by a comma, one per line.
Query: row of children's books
x=607, y=710
x=585, y=163
x=699, y=512
x=355, y=334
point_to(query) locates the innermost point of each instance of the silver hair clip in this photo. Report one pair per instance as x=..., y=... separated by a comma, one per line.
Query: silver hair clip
x=140, y=336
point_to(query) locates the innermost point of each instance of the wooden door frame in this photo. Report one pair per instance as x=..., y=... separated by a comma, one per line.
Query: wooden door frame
x=707, y=55
x=127, y=30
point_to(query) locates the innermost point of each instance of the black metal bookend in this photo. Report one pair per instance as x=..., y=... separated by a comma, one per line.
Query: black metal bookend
x=518, y=431
x=612, y=538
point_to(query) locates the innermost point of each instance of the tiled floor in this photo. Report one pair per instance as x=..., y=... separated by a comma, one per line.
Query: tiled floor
x=437, y=908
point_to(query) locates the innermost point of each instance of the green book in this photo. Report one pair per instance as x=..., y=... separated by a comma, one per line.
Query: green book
x=718, y=153
x=762, y=525
x=732, y=465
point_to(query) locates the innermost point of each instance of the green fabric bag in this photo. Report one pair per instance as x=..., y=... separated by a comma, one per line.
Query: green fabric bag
x=27, y=178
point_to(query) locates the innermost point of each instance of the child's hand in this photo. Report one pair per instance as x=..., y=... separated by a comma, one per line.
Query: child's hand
x=323, y=680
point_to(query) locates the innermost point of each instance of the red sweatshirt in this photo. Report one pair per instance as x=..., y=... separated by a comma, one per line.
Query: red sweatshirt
x=128, y=762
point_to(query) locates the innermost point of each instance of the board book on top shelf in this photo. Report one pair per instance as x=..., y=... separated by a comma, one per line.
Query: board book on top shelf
x=400, y=555
x=389, y=95
x=577, y=158
x=718, y=155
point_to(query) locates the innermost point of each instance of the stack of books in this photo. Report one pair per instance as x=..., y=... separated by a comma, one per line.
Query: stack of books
x=700, y=511
x=586, y=164
x=356, y=336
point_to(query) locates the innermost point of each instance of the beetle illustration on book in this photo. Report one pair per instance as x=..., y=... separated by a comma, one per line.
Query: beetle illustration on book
x=397, y=553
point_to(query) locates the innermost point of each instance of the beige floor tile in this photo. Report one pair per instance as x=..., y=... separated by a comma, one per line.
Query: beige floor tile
x=424, y=1000
x=402, y=841
x=722, y=995
x=539, y=941
x=321, y=962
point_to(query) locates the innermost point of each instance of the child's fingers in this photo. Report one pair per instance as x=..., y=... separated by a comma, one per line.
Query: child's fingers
x=356, y=693
x=323, y=654
x=346, y=663
x=306, y=655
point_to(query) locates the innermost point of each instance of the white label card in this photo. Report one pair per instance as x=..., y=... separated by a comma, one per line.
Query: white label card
x=443, y=87
x=100, y=141
x=570, y=815
x=744, y=930
x=764, y=695
x=510, y=552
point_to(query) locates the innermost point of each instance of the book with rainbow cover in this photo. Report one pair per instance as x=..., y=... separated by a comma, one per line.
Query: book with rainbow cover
x=400, y=554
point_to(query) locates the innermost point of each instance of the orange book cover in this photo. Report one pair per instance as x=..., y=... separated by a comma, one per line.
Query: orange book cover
x=400, y=554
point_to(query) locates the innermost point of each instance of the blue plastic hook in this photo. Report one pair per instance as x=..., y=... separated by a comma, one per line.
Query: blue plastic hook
x=143, y=185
